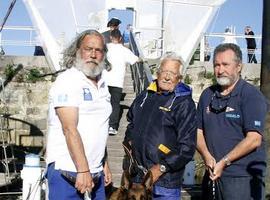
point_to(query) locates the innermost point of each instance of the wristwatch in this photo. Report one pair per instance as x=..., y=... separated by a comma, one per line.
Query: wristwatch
x=162, y=168
x=227, y=161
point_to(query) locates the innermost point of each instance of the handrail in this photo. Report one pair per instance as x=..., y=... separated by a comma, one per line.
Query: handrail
x=141, y=73
x=151, y=51
x=25, y=31
x=206, y=49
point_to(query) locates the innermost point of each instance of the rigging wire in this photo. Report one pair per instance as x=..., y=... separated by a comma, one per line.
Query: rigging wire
x=213, y=24
x=7, y=14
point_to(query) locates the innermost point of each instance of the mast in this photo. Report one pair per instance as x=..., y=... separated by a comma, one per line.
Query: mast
x=162, y=25
x=265, y=78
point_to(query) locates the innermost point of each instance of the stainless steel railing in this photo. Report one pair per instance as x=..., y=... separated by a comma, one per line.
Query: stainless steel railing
x=141, y=73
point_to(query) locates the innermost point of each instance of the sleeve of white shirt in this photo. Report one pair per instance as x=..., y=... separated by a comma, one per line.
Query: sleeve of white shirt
x=131, y=58
x=65, y=94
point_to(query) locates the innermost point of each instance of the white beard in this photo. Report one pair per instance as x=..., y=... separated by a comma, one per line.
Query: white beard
x=227, y=81
x=91, y=69
x=224, y=81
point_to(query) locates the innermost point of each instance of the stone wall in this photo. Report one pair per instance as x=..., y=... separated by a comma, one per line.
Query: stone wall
x=26, y=100
x=201, y=74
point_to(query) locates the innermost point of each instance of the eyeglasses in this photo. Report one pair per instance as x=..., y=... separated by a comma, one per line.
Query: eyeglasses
x=168, y=73
x=90, y=50
x=216, y=107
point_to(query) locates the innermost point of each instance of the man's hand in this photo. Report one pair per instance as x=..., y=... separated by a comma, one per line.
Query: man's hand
x=218, y=169
x=84, y=182
x=155, y=169
x=209, y=161
x=107, y=174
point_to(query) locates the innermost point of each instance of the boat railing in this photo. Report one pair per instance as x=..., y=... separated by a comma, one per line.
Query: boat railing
x=27, y=36
x=151, y=47
x=141, y=73
x=205, y=48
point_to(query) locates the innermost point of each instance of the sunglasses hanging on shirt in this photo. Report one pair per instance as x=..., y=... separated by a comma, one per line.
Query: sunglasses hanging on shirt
x=218, y=105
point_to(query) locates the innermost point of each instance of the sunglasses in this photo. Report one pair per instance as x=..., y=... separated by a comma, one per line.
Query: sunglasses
x=216, y=107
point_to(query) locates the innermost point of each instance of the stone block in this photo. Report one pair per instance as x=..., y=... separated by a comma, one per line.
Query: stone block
x=33, y=141
x=33, y=111
x=41, y=123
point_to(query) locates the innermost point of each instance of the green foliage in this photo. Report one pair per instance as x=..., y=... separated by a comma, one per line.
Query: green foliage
x=256, y=81
x=34, y=75
x=211, y=76
x=153, y=70
x=187, y=79
x=9, y=71
x=214, y=80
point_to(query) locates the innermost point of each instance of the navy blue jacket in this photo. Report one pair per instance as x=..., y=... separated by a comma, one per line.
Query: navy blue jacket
x=162, y=130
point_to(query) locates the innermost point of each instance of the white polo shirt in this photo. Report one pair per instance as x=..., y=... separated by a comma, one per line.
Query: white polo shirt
x=118, y=56
x=73, y=89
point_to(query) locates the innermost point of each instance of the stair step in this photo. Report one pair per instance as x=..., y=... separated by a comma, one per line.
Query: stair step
x=114, y=144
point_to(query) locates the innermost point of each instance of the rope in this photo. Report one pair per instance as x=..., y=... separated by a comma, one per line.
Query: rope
x=7, y=15
x=34, y=188
x=214, y=20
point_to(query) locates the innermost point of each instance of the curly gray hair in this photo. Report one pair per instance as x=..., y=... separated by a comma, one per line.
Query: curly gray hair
x=69, y=54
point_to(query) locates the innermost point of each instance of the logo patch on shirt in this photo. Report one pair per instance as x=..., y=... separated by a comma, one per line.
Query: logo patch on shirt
x=87, y=96
x=164, y=149
x=257, y=123
x=62, y=98
x=232, y=115
x=229, y=109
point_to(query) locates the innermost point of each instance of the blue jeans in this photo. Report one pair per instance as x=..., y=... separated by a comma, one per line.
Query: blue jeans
x=60, y=188
x=162, y=193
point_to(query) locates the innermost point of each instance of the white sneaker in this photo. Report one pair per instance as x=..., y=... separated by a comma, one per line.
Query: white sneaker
x=112, y=131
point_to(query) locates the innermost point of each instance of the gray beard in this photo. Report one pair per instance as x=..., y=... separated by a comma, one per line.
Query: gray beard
x=90, y=69
x=224, y=81
x=227, y=81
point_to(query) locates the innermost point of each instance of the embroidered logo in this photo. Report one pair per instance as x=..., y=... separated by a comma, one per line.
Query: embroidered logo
x=87, y=96
x=164, y=109
x=229, y=109
x=233, y=115
x=62, y=98
x=164, y=149
x=257, y=123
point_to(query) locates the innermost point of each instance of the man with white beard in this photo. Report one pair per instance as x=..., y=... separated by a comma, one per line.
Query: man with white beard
x=231, y=118
x=79, y=110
